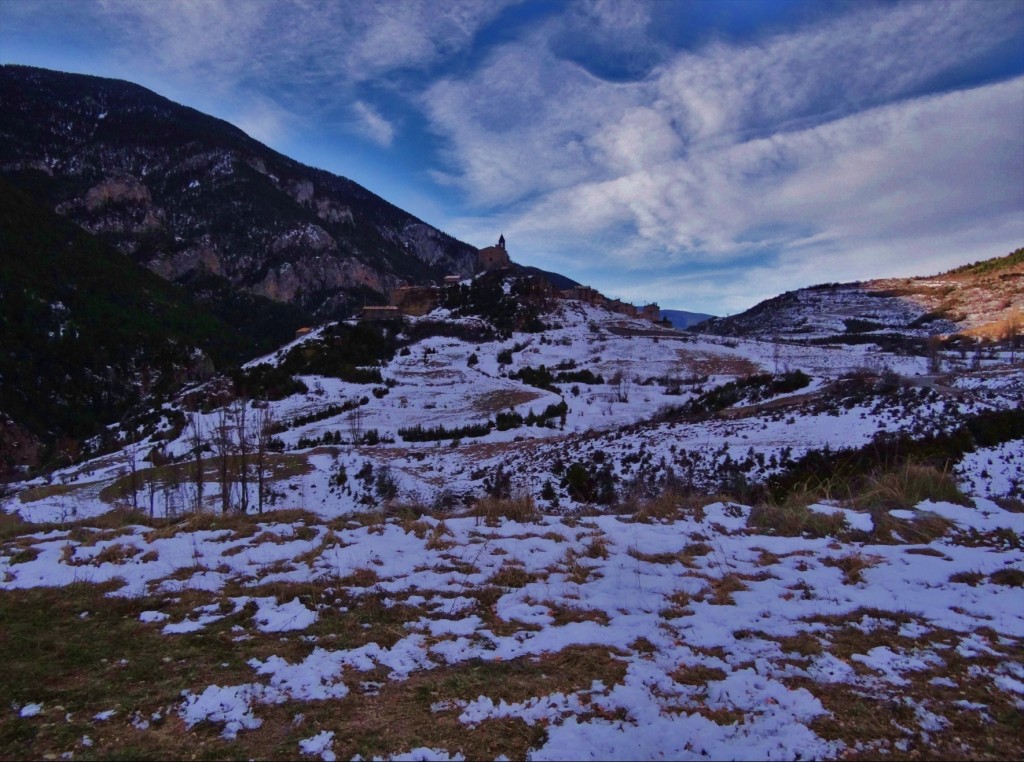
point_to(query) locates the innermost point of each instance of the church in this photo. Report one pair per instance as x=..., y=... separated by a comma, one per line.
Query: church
x=493, y=257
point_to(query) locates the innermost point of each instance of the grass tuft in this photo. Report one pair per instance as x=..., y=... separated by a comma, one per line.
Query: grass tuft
x=511, y=575
x=906, y=487
x=794, y=519
x=852, y=566
x=1008, y=577
x=493, y=509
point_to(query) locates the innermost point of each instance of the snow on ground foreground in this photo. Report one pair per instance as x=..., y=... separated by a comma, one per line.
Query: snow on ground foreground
x=359, y=628
x=560, y=638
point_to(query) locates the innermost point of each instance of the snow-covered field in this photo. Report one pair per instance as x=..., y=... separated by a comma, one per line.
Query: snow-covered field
x=435, y=384
x=691, y=638
x=370, y=612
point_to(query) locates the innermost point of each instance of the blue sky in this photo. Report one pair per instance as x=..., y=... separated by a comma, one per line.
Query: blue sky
x=705, y=155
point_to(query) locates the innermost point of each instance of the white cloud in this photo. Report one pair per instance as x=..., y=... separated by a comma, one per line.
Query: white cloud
x=261, y=119
x=805, y=144
x=323, y=42
x=373, y=125
x=212, y=39
x=930, y=167
x=530, y=121
x=302, y=57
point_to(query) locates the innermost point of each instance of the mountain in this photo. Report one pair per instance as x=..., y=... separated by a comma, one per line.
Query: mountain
x=561, y=282
x=682, y=319
x=197, y=201
x=87, y=333
x=979, y=300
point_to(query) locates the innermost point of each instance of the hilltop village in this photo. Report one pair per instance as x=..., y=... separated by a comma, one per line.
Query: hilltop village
x=416, y=301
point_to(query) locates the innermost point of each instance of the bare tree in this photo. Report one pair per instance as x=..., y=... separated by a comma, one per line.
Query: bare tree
x=223, y=445
x=355, y=425
x=620, y=382
x=195, y=438
x=1011, y=332
x=244, y=446
x=151, y=489
x=133, y=473
x=264, y=426
x=934, y=354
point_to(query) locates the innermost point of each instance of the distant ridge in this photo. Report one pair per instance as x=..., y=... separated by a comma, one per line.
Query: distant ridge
x=561, y=282
x=682, y=319
x=976, y=299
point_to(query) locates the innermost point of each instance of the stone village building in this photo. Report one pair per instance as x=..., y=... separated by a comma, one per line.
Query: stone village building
x=417, y=301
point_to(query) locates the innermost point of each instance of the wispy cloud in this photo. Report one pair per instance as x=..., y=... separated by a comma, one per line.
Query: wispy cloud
x=373, y=125
x=847, y=143
x=303, y=55
x=814, y=146
x=346, y=42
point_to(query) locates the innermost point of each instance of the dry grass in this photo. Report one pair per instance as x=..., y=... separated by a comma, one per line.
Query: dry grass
x=597, y=548
x=794, y=519
x=700, y=363
x=719, y=591
x=501, y=400
x=926, y=552
x=696, y=674
x=872, y=720
x=665, y=506
x=653, y=558
x=51, y=656
x=511, y=575
x=438, y=538
x=563, y=615
x=679, y=606
x=921, y=529
x=852, y=565
x=118, y=553
x=906, y=487
x=361, y=577
x=575, y=570
x=34, y=494
x=240, y=525
x=1008, y=577
x=967, y=578
x=670, y=504
x=492, y=510
x=805, y=644
x=1011, y=504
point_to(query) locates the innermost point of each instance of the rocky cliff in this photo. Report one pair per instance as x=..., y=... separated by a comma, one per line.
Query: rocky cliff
x=192, y=197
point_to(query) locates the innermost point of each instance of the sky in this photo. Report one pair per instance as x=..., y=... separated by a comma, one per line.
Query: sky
x=704, y=155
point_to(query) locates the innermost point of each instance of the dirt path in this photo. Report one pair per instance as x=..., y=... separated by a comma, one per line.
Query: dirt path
x=779, y=403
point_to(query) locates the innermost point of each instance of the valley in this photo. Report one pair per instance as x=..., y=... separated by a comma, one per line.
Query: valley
x=287, y=472
x=602, y=538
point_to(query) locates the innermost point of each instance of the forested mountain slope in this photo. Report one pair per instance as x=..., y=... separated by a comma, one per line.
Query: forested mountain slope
x=199, y=202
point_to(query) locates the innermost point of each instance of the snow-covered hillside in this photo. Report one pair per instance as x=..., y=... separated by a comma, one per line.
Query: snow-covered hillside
x=984, y=299
x=568, y=544
x=448, y=383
